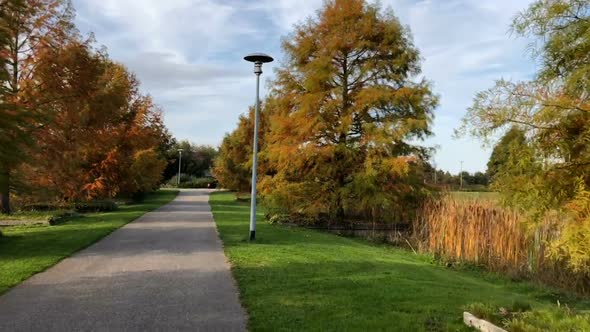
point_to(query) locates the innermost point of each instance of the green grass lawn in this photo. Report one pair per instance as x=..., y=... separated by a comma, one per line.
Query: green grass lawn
x=27, y=250
x=293, y=279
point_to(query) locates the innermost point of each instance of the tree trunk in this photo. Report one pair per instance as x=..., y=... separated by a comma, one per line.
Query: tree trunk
x=4, y=191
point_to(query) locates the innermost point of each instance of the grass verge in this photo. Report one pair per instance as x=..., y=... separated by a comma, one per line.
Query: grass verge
x=304, y=280
x=26, y=250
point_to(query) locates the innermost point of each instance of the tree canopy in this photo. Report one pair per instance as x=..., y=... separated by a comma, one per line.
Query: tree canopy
x=551, y=170
x=73, y=123
x=510, y=143
x=348, y=110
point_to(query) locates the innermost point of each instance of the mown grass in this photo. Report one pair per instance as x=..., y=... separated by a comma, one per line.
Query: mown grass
x=26, y=250
x=293, y=279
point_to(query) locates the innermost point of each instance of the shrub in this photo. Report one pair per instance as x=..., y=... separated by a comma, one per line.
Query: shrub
x=196, y=183
x=279, y=218
x=189, y=181
x=573, y=245
x=555, y=320
x=45, y=206
x=96, y=206
x=484, y=311
x=62, y=216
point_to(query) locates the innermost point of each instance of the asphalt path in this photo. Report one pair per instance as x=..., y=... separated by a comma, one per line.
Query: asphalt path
x=165, y=271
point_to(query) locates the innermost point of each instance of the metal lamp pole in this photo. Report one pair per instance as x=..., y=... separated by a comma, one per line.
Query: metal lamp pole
x=258, y=59
x=179, y=163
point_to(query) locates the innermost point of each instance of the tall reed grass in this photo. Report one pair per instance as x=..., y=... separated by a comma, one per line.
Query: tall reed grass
x=500, y=239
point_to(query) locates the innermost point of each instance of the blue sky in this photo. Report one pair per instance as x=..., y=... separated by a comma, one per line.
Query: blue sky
x=188, y=56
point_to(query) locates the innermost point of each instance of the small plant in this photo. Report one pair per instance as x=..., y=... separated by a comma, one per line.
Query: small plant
x=484, y=311
x=561, y=319
x=434, y=323
x=279, y=218
x=521, y=317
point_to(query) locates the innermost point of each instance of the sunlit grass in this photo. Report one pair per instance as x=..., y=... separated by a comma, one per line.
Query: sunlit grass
x=293, y=279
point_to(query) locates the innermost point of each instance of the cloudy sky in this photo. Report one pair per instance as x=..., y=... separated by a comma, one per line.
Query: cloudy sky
x=188, y=56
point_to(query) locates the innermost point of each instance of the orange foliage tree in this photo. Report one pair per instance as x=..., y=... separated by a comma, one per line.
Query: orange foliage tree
x=79, y=119
x=28, y=28
x=348, y=111
x=103, y=136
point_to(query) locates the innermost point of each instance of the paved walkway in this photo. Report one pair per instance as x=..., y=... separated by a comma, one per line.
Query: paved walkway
x=166, y=271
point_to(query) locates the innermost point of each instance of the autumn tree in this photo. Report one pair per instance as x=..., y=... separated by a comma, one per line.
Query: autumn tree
x=104, y=136
x=29, y=27
x=552, y=170
x=349, y=112
x=233, y=164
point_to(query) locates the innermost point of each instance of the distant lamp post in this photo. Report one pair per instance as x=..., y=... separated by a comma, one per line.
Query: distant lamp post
x=258, y=59
x=179, y=163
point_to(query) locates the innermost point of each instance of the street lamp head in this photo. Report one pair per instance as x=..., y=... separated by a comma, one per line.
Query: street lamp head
x=180, y=150
x=258, y=58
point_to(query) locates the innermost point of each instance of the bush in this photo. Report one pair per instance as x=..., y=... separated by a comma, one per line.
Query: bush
x=96, y=206
x=279, y=218
x=556, y=320
x=196, y=183
x=45, y=206
x=521, y=317
x=187, y=181
x=292, y=218
x=62, y=216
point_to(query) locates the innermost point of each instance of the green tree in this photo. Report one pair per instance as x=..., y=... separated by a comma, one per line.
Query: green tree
x=512, y=140
x=552, y=170
x=197, y=160
x=348, y=111
x=553, y=110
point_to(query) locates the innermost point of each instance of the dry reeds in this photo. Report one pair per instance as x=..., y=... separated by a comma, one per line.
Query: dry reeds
x=483, y=233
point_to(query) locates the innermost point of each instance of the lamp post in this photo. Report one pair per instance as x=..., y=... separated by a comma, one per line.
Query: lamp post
x=258, y=59
x=179, y=163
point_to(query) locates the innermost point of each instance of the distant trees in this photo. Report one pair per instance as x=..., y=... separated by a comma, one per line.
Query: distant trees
x=73, y=124
x=471, y=181
x=197, y=160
